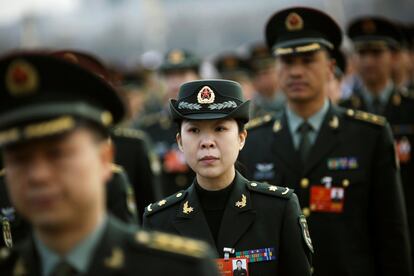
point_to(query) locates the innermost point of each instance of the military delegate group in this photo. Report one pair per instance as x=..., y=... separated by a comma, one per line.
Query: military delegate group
x=296, y=160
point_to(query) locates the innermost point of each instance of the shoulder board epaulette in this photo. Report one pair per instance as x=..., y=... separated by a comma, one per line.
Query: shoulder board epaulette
x=5, y=253
x=116, y=168
x=172, y=243
x=164, y=203
x=283, y=192
x=366, y=117
x=258, y=121
x=129, y=133
x=2, y=172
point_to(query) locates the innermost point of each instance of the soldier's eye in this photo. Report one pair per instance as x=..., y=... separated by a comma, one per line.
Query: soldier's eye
x=193, y=130
x=220, y=128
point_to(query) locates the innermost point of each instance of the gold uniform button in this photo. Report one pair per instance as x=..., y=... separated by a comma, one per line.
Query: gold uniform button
x=306, y=212
x=304, y=183
x=345, y=183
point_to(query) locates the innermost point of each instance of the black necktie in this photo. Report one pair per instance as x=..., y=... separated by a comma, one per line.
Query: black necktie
x=63, y=269
x=377, y=105
x=305, y=144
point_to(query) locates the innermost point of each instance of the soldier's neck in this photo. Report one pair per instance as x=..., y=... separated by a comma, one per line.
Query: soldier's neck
x=63, y=238
x=216, y=183
x=376, y=87
x=307, y=108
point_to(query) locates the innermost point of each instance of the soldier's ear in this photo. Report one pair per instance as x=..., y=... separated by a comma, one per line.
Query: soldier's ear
x=179, y=142
x=242, y=138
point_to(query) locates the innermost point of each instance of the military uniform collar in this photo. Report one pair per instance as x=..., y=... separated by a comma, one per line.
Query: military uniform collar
x=316, y=120
x=239, y=199
x=384, y=95
x=79, y=257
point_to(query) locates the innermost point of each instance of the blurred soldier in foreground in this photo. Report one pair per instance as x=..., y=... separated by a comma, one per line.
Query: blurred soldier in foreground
x=133, y=151
x=54, y=123
x=340, y=162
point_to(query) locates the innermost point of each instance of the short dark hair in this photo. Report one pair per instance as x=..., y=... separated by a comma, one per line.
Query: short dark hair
x=239, y=261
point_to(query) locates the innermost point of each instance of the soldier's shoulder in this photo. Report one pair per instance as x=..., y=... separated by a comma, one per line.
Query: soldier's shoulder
x=131, y=133
x=2, y=172
x=272, y=190
x=172, y=244
x=364, y=117
x=258, y=122
x=165, y=203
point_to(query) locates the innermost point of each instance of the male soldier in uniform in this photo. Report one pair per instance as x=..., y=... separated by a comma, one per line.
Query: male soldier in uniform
x=132, y=149
x=267, y=97
x=374, y=39
x=340, y=162
x=178, y=67
x=54, y=119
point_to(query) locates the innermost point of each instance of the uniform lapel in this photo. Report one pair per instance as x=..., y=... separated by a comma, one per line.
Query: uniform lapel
x=190, y=220
x=283, y=145
x=109, y=256
x=29, y=262
x=326, y=140
x=238, y=215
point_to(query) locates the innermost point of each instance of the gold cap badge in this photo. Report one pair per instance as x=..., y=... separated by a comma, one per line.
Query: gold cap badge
x=176, y=56
x=294, y=22
x=21, y=78
x=205, y=95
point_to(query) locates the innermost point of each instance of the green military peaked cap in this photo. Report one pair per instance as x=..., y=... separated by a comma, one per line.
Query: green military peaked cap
x=208, y=100
x=42, y=95
x=299, y=29
x=180, y=59
x=375, y=32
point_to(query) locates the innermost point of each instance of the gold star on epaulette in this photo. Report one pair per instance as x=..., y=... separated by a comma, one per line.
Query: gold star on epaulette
x=272, y=188
x=162, y=202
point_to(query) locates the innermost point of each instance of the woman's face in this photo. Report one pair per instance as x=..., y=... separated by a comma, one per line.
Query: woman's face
x=211, y=147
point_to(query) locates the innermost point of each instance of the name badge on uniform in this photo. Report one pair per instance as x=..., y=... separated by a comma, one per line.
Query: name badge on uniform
x=327, y=199
x=233, y=266
x=342, y=163
x=403, y=149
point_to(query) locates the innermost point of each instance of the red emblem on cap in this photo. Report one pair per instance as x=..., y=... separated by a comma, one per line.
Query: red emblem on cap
x=21, y=78
x=294, y=22
x=205, y=95
x=368, y=26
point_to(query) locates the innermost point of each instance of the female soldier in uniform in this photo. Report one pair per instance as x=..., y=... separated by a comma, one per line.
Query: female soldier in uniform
x=221, y=207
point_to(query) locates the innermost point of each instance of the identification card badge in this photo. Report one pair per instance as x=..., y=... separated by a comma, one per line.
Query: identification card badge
x=233, y=266
x=403, y=148
x=327, y=199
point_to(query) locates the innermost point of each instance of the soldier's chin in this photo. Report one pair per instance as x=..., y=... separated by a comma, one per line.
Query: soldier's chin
x=47, y=222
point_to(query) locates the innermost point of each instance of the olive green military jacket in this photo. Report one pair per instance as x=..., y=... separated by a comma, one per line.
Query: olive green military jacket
x=256, y=216
x=122, y=252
